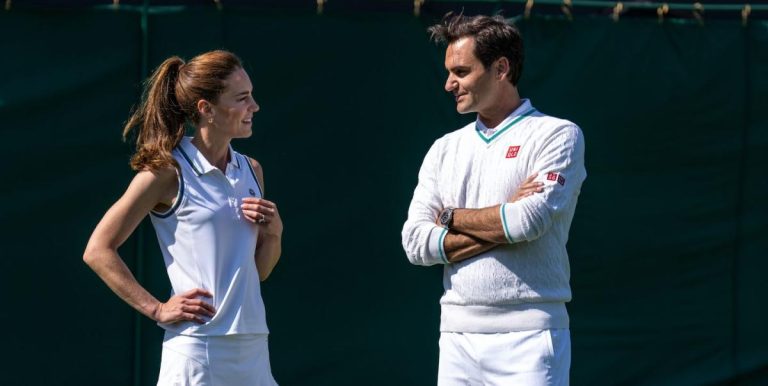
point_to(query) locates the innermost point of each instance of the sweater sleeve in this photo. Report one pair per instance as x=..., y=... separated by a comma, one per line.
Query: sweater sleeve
x=422, y=238
x=560, y=165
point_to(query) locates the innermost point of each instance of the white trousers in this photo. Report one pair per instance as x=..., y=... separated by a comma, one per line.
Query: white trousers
x=229, y=360
x=521, y=358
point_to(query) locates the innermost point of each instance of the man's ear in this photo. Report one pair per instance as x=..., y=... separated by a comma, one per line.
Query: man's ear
x=501, y=68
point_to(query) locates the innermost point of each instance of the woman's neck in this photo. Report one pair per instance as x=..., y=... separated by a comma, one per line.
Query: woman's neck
x=216, y=151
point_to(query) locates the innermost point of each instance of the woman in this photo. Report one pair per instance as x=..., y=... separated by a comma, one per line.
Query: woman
x=218, y=236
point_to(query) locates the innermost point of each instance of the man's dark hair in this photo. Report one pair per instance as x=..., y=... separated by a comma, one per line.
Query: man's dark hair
x=494, y=38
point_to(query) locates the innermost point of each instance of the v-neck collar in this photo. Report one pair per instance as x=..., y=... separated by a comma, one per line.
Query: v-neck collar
x=525, y=109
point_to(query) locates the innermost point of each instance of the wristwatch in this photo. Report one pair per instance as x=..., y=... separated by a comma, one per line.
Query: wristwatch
x=446, y=217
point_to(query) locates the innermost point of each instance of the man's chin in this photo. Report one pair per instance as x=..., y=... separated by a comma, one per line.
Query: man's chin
x=463, y=109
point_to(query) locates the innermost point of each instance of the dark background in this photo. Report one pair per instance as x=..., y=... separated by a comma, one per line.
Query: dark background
x=667, y=248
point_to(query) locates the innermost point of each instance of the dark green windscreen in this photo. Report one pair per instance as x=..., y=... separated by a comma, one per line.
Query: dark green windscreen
x=667, y=248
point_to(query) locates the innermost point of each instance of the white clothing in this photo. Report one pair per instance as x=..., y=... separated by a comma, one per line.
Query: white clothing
x=208, y=243
x=521, y=358
x=229, y=360
x=522, y=285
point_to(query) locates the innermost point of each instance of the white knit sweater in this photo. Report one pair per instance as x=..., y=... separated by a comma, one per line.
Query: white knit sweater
x=522, y=285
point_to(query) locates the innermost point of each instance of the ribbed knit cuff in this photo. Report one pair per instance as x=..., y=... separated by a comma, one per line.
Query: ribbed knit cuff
x=436, y=247
x=510, y=221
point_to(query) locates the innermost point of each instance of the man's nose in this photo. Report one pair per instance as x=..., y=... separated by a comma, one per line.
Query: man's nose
x=450, y=83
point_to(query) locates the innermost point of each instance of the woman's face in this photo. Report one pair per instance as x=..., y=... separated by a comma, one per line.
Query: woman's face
x=233, y=112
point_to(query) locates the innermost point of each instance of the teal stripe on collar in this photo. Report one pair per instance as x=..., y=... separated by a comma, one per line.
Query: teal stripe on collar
x=505, y=128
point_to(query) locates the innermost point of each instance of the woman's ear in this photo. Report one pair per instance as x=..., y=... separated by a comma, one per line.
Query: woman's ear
x=204, y=108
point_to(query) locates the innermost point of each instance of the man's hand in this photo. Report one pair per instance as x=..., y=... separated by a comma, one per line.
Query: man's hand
x=528, y=188
x=185, y=306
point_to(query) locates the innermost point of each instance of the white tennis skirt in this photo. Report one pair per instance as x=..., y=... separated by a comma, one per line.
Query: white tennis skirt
x=228, y=360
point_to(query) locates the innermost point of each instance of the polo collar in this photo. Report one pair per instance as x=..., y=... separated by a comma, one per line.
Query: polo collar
x=525, y=109
x=197, y=160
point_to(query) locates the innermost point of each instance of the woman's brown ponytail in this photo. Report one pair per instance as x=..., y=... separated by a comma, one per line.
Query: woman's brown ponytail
x=159, y=120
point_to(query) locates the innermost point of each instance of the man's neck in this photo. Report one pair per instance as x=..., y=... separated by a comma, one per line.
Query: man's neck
x=494, y=115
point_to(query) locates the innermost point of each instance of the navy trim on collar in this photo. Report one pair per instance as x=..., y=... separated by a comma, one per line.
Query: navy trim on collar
x=192, y=164
x=197, y=160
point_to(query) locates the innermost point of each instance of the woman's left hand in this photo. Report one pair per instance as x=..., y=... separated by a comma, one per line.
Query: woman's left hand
x=264, y=214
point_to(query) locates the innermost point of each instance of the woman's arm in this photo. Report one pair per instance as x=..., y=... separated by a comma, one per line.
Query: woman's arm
x=147, y=190
x=264, y=214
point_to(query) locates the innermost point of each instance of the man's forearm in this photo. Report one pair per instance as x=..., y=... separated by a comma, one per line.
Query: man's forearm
x=459, y=246
x=483, y=224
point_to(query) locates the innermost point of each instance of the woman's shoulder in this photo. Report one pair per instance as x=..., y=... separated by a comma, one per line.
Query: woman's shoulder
x=254, y=164
x=158, y=179
x=161, y=184
x=257, y=169
x=161, y=174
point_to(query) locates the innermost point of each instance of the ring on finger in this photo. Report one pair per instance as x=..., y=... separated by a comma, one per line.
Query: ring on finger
x=263, y=219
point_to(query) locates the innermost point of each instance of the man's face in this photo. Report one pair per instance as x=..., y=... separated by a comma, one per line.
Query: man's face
x=468, y=80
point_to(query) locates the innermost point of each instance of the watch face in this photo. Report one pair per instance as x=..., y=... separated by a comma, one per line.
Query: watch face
x=445, y=218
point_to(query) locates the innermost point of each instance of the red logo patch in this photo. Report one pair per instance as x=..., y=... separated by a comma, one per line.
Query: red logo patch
x=556, y=177
x=512, y=151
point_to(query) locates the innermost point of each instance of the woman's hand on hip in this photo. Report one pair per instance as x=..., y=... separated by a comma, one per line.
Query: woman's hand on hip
x=185, y=307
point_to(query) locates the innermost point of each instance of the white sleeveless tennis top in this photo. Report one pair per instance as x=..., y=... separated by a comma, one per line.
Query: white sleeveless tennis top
x=208, y=243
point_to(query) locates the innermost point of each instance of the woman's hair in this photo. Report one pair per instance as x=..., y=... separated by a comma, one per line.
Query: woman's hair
x=170, y=100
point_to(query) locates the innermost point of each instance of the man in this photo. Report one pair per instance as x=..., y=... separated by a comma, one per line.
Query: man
x=506, y=273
